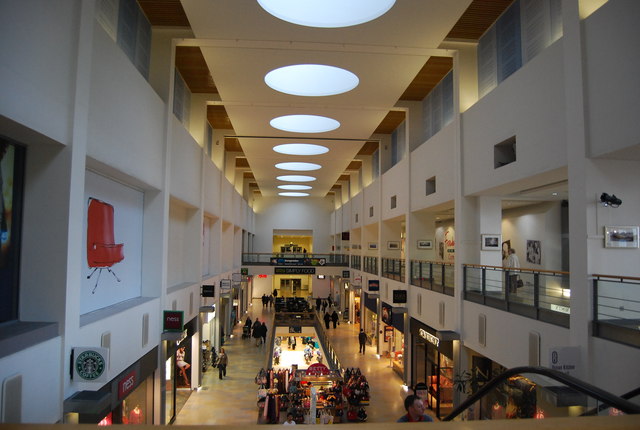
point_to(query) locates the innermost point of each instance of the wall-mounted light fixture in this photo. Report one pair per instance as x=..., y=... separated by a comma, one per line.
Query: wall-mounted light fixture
x=610, y=200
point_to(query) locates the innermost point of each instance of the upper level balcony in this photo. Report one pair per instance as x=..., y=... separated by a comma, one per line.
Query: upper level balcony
x=294, y=259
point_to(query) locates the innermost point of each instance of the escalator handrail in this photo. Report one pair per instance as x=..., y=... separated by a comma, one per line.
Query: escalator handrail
x=591, y=390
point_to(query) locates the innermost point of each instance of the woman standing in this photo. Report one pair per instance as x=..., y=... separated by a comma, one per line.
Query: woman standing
x=223, y=360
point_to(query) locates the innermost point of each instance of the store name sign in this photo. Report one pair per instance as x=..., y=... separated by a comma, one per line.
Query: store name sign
x=294, y=270
x=126, y=384
x=173, y=320
x=429, y=337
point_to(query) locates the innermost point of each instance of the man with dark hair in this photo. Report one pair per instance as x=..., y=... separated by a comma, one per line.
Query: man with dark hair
x=362, y=340
x=415, y=410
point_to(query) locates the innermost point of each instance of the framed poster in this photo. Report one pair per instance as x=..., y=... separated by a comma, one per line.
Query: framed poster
x=373, y=245
x=425, y=244
x=621, y=237
x=491, y=242
x=392, y=244
x=388, y=333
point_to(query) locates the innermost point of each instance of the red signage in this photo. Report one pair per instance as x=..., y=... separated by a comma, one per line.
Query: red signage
x=173, y=320
x=126, y=384
x=318, y=369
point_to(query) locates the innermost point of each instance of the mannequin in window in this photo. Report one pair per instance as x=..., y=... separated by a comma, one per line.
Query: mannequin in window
x=136, y=416
x=183, y=366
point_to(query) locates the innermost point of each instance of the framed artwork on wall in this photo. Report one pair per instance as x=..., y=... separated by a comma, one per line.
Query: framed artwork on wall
x=425, y=244
x=373, y=245
x=534, y=252
x=621, y=237
x=393, y=244
x=491, y=242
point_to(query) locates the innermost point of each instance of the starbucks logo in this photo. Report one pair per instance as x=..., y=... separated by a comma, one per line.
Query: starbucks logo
x=90, y=365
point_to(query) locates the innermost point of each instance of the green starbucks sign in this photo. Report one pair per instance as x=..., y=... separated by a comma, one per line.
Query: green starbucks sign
x=90, y=365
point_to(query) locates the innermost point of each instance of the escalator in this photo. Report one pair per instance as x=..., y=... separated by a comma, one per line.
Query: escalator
x=538, y=392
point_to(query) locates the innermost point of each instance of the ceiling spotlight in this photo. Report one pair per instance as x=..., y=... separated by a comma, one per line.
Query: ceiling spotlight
x=294, y=187
x=610, y=200
x=298, y=166
x=293, y=194
x=327, y=13
x=300, y=149
x=304, y=123
x=296, y=178
x=311, y=80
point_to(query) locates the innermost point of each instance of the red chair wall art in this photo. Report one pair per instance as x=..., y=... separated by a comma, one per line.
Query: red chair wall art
x=102, y=251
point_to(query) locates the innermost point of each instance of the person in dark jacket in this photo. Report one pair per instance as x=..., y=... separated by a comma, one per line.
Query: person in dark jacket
x=318, y=303
x=362, y=340
x=256, y=332
x=334, y=318
x=327, y=320
x=263, y=332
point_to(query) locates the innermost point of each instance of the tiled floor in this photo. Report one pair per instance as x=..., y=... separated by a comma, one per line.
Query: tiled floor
x=232, y=401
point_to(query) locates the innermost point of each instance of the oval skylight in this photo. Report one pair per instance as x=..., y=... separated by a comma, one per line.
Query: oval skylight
x=296, y=178
x=327, y=13
x=298, y=166
x=304, y=123
x=311, y=80
x=301, y=149
x=293, y=194
x=293, y=187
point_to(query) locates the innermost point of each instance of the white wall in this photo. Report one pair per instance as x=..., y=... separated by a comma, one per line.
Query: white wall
x=532, y=96
x=41, y=380
x=293, y=214
x=186, y=162
x=538, y=222
x=436, y=158
x=116, y=124
x=42, y=70
x=610, y=67
x=372, y=199
x=394, y=183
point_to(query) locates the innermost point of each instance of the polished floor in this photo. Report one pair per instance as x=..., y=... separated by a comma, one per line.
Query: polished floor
x=232, y=400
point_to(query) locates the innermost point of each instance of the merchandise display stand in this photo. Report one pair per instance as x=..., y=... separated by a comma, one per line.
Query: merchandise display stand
x=313, y=396
x=356, y=392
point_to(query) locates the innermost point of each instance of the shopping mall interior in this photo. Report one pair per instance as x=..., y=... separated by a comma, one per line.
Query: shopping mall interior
x=420, y=199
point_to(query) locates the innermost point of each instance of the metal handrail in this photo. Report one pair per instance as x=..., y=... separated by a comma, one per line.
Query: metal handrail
x=520, y=269
x=584, y=387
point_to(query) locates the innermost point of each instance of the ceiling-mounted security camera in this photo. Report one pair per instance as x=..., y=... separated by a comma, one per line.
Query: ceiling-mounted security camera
x=610, y=200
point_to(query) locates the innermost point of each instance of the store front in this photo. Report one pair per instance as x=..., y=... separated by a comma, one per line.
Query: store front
x=369, y=321
x=182, y=352
x=432, y=363
x=393, y=345
x=126, y=399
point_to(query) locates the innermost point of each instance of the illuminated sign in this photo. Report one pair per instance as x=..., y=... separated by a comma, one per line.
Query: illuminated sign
x=429, y=337
x=126, y=384
x=294, y=270
x=173, y=320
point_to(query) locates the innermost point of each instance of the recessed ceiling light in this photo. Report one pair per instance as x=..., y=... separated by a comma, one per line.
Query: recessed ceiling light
x=294, y=187
x=293, y=194
x=311, y=80
x=296, y=178
x=301, y=149
x=327, y=13
x=298, y=166
x=304, y=123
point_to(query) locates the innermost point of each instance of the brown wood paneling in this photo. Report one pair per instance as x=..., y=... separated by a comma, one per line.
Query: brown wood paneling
x=390, y=122
x=369, y=148
x=218, y=118
x=231, y=144
x=166, y=13
x=354, y=165
x=428, y=77
x=191, y=65
x=242, y=163
x=248, y=175
x=344, y=177
x=478, y=17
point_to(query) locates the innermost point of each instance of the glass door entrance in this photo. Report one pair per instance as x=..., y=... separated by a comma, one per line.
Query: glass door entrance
x=290, y=287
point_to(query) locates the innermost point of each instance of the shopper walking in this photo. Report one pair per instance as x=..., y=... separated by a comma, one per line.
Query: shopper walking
x=256, y=331
x=263, y=332
x=327, y=320
x=223, y=360
x=362, y=340
x=334, y=318
x=318, y=304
